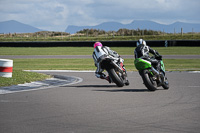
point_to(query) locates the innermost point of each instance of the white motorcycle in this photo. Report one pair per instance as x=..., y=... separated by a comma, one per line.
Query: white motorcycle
x=114, y=66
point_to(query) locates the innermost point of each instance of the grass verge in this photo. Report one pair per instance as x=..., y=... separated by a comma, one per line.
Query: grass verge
x=89, y=50
x=88, y=64
x=21, y=77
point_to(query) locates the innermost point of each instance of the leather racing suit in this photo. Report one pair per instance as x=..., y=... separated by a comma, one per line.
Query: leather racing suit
x=98, y=52
x=143, y=51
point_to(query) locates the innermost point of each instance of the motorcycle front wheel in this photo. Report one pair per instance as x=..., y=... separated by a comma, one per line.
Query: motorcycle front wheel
x=165, y=84
x=148, y=80
x=115, y=78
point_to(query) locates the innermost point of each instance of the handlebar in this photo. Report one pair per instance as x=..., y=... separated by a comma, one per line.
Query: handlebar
x=157, y=57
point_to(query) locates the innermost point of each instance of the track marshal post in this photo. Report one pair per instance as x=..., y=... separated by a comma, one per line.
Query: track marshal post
x=6, y=68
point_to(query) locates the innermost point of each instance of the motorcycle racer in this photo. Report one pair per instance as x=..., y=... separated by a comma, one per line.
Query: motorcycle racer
x=142, y=51
x=151, y=69
x=99, y=51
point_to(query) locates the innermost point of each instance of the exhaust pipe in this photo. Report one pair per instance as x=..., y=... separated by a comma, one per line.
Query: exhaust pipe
x=154, y=71
x=117, y=67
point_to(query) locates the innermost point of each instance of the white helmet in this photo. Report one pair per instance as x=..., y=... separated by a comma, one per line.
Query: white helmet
x=141, y=41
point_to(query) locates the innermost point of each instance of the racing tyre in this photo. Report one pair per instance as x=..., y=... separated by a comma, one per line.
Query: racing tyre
x=148, y=80
x=115, y=78
x=165, y=84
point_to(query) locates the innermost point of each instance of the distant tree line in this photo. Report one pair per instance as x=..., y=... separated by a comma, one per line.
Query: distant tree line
x=89, y=33
x=50, y=33
x=120, y=32
x=36, y=34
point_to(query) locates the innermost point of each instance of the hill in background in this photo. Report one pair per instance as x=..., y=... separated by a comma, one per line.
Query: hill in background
x=139, y=24
x=13, y=26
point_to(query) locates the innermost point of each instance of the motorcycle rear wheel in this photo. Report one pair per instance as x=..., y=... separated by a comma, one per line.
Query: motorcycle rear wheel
x=148, y=80
x=116, y=79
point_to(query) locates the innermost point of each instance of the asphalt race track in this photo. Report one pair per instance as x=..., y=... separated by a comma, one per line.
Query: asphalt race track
x=95, y=106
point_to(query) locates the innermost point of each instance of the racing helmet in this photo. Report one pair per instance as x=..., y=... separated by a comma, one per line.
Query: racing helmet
x=141, y=41
x=97, y=44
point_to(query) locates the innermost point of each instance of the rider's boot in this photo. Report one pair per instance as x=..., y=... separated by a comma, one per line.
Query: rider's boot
x=108, y=79
x=127, y=83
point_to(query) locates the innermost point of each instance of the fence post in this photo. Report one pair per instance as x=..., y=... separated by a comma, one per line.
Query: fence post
x=166, y=43
x=181, y=31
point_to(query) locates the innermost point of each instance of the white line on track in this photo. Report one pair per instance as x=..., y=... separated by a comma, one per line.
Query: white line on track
x=194, y=72
x=39, y=85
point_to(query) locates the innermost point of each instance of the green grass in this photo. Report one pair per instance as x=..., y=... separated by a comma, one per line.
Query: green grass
x=46, y=50
x=53, y=64
x=88, y=64
x=182, y=64
x=89, y=50
x=178, y=50
x=21, y=77
x=171, y=64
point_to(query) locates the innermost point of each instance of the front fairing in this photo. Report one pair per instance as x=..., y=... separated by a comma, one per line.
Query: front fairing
x=162, y=66
x=142, y=64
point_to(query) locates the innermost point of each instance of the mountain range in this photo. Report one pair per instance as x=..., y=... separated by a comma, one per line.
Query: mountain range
x=141, y=24
x=13, y=26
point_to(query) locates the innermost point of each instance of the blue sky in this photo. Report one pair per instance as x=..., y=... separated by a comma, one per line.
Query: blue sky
x=56, y=15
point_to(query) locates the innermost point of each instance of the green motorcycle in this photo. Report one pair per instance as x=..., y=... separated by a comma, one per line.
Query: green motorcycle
x=152, y=77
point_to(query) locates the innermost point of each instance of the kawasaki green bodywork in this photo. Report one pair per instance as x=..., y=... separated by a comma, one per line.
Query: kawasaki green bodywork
x=142, y=64
x=162, y=66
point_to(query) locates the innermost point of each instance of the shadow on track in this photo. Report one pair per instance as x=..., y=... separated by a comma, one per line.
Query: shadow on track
x=93, y=86
x=109, y=90
x=125, y=90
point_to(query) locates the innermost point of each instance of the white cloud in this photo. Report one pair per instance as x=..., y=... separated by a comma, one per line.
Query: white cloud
x=42, y=14
x=57, y=15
